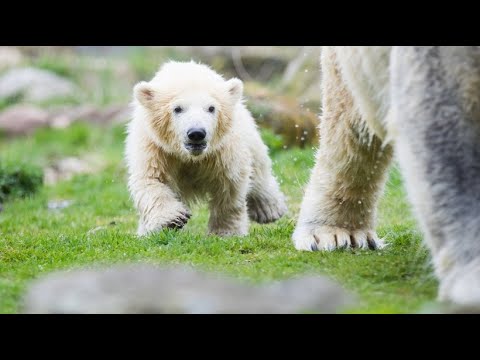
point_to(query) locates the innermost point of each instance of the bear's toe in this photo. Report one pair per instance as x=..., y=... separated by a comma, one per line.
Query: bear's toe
x=180, y=221
x=176, y=220
x=328, y=238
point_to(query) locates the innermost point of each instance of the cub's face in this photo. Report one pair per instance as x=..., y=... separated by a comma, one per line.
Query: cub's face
x=195, y=118
x=188, y=114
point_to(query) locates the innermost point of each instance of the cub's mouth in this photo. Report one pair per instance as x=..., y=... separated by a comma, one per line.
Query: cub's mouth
x=196, y=148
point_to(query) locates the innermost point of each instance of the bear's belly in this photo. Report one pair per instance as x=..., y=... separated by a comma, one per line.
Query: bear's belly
x=365, y=69
x=192, y=182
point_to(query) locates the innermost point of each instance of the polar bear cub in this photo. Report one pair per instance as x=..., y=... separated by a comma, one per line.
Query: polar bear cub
x=192, y=138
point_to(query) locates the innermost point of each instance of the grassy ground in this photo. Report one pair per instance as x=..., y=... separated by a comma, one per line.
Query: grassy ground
x=100, y=224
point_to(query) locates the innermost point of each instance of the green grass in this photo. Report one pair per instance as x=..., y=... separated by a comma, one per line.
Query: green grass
x=18, y=180
x=99, y=228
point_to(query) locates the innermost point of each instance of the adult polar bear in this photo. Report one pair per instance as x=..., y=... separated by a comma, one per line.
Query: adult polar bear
x=425, y=103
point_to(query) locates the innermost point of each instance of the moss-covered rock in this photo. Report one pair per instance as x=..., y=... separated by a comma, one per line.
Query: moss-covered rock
x=283, y=114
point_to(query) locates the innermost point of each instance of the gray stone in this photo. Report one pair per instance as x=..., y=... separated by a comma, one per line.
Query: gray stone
x=150, y=289
x=284, y=115
x=66, y=168
x=63, y=117
x=9, y=57
x=22, y=119
x=35, y=84
x=59, y=204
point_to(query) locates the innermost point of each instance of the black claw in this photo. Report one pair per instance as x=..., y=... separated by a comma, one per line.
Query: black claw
x=176, y=224
x=353, y=243
x=371, y=244
x=180, y=221
x=172, y=225
x=314, y=247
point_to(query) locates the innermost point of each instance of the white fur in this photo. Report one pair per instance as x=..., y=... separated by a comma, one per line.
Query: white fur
x=424, y=102
x=366, y=72
x=338, y=209
x=233, y=172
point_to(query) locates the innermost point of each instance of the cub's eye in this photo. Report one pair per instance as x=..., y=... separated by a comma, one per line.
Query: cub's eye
x=178, y=110
x=211, y=109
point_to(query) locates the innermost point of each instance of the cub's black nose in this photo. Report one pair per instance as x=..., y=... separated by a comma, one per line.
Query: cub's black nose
x=196, y=134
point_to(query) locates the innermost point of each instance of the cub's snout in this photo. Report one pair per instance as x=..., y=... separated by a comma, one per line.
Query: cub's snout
x=196, y=140
x=196, y=134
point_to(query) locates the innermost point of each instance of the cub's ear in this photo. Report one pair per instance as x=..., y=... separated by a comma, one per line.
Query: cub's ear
x=144, y=93
x=235, y=89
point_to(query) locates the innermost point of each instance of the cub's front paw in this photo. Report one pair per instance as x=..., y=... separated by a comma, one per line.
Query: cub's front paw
x=179, y=221
x=328, y=238
x=173, y=217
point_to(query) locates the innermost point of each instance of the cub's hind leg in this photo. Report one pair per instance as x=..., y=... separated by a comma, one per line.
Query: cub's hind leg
x=266, y=203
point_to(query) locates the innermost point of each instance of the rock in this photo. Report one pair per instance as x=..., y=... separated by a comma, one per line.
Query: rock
x=264, y=52
x=39, y=51
x=63, y=117
x=59, y=204
x=35, y=85
x=102, y=50
x=246, y=62
x=60, y=121
x=108, y=115
x=66, y=168
x=117, y=114
x=312, y=95
x=22, y=119
x=9, y=57
x=303, y=72
x=284, y=115
x=149, y=289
